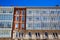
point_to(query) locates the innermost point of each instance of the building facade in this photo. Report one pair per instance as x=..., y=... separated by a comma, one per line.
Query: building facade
x=6, y=22
x=30, y=23
x=42, y=23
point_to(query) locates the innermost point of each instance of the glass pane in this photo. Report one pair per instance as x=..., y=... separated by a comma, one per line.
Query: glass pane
x=16, y=25
x=5, y=24
x=4, y=11
x=18, y=12
x=23, y=12
x=22, y=25
x=36, y=18
x=30, y=11
x=17, y=18
x=6, y=17
x=29, y=18
x=1, y=24
x=23, y=18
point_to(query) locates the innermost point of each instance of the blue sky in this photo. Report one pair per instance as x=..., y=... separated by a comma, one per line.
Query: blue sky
x=29, y=2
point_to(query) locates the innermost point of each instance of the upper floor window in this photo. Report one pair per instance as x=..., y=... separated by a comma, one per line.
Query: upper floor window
x=11, y=11
x=5, y=33
x=30, y=24
x=5, y=24
x=54, y=12
x=4, y=11
x=23, y=12
x=17, y=11
x=30, y=11
x=23, y=18
x=29, y=18
x=37, y=11
x=36, y=18
x=44, y=18
x=36, y=25
x=1, y=25
x=9, y=25
x=43, y=12
x=17, y=18
x=6, y=17
x=16, y=25
x=58, y=12
x=22, y=25
x=59, y=17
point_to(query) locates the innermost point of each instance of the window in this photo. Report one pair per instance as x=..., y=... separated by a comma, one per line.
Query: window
x=16, y=25
x=53, y=26
x=29, y=24
x=29, y=18
x=37, y=11
x=36, y=18
x=6, y=17
x=4, y=11
x=43, y=12
x=11, y=11
x=17, y=18
x=9, y=25
x=53, y=12
x=52, y=18
x=45, y=26
x=1, y=25
x=18, y=12
x=36, y=25
x=5, y=24
x=30, y=34
x=23, y=18
x=22, y=25
x=59, y=18
x=30, y=11
x=5, y=33
x=23, y=12
x=58, y=12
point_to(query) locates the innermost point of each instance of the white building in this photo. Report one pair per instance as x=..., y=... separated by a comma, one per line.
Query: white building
x=6, y=21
